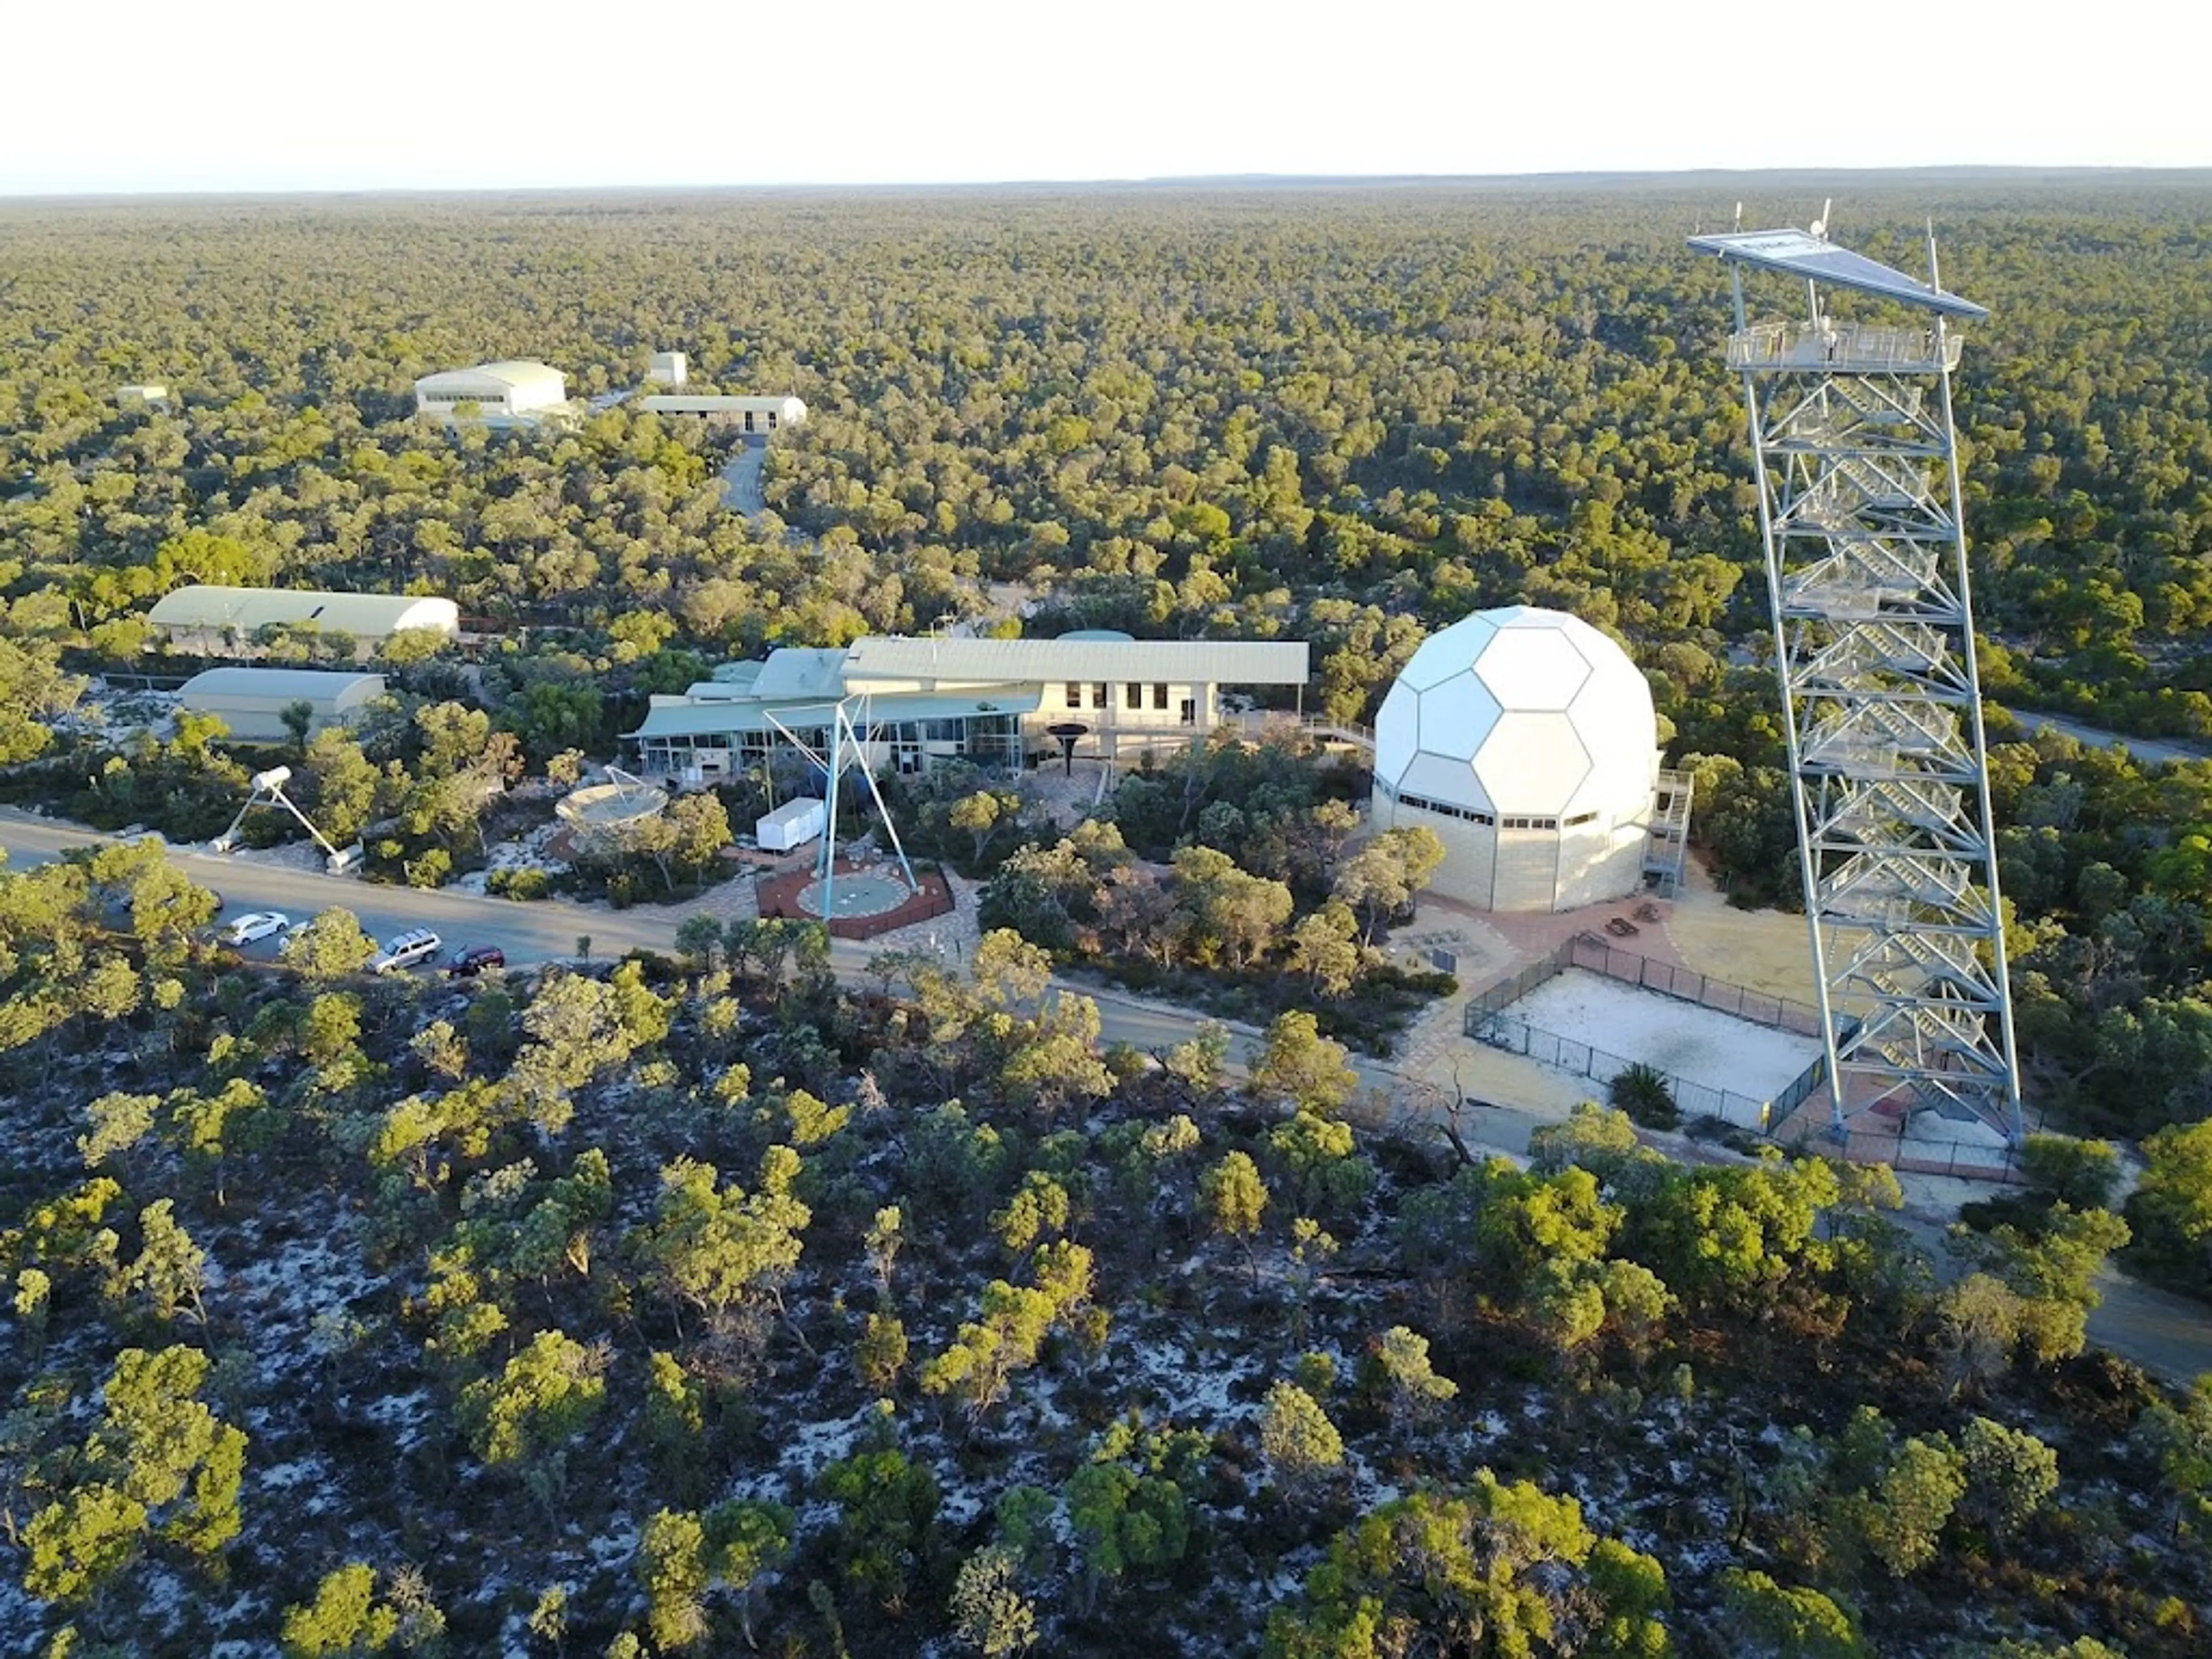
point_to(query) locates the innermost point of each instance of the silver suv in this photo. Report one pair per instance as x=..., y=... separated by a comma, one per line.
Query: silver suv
x=405, y=950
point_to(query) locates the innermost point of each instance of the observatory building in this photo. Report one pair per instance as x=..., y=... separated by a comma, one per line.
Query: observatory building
x=513, y=393
x=1526, y=740
x=995, y=702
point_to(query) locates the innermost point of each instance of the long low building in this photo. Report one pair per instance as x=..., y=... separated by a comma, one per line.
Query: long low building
x=996, y=702
x=227, y=620
x=250, y=702
x=752, y=414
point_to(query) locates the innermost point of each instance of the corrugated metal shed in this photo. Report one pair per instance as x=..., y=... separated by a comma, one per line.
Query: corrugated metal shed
x=1186, y=662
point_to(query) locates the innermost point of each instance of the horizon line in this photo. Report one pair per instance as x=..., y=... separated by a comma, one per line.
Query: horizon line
x=1163, y=181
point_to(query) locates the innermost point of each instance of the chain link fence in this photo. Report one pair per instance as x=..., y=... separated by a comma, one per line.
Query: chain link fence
x=1487, y=1022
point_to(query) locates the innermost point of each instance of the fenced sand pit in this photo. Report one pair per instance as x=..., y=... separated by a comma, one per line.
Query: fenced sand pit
x=1586, y=1025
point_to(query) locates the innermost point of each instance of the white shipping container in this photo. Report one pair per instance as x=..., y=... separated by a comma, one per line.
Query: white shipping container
x=792, y=824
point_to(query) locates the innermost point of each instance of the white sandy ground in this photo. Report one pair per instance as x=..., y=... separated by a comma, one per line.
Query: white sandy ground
x=1699, y=1045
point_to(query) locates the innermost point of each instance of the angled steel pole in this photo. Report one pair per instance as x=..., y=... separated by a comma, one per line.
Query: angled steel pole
x=1800, y=808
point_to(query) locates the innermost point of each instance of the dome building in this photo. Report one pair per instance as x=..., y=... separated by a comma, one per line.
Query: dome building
x=1526, y=740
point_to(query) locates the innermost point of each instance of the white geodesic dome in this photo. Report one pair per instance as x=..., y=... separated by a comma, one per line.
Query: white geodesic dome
x=1526, y=739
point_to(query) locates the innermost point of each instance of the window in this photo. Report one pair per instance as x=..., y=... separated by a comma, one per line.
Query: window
x=1075, y=694
x=1580, y=819
x=1160, y=698
x=1098, y=698
x=1133, y=695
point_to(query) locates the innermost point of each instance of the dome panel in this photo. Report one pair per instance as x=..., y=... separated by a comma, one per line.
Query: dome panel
x=1456, y=716
x=1397, y=731
x=1533, y=763
x=1530, y=667
x=1448, y=650
x=1452, y=781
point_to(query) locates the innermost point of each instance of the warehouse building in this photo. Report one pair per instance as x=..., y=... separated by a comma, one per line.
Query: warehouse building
x=995, y=702
x=1526, y=741
x=230, y=621
x=513, y=392
x=250, y=702
x=759, y=415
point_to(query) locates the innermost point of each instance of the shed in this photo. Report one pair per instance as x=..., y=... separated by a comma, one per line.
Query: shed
x=792, y=824
x=250, y=702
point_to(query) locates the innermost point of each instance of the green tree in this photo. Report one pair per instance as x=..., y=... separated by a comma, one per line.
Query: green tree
x=159, y=1464
x=990, y=1614
x=539, y=1402
x=1299, y=1443
x=348, y=1617
x=1765, y=1621
x=2011, y=1476
x=711, y=1245
x=1235, y=1199
x=1495, y=1568
x=328, y=947
x=2170, y=1211
x=1302, y=1066
x=886, y=1524
x=1902, y=1516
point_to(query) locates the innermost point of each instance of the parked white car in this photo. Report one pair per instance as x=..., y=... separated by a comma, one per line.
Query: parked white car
x=405, y=950
x=256, y=925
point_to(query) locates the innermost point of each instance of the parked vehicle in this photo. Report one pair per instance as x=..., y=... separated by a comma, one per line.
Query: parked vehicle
x=256, y=925
x=417, y=945
x=474, y=960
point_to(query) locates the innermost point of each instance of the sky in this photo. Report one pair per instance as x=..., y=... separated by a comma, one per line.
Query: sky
x=231, y=95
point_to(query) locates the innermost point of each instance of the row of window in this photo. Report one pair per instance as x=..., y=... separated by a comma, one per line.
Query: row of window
x=1132, y=696
x=1444, y=809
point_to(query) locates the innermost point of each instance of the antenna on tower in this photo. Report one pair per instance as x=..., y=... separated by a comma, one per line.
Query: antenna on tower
x=1739, y=216
x=1821, y=225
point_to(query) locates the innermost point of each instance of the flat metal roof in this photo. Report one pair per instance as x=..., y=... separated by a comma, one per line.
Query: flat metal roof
x=801, y=670
x=1190, y=662
x=1800, y=254
x=705, y=719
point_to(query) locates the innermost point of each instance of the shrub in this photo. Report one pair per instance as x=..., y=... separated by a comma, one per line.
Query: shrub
x=520, y=884
x=1644, y=1094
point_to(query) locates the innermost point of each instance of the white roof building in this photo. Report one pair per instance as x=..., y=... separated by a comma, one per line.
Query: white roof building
x=998, y=701
x=225, y=619
x=753, y=414
x=250, y=702
x=669, y=368
x=503, y=393
x=1526, y=741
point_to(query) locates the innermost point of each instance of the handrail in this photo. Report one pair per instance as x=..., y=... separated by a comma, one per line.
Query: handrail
x=1849, y=346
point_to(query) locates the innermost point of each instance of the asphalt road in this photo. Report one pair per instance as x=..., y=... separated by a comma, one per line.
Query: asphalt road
x=741, y=480
x=2165, y=1334
x=539, y=930
x=2143, y=749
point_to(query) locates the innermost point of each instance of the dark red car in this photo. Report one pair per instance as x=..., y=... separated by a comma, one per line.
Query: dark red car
x=474, y=960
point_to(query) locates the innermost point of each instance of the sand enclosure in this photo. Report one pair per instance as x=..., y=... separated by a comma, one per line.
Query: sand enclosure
x=1621, y=1023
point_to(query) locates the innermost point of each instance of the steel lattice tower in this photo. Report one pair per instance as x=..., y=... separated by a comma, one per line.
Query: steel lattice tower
x=1859, y=508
